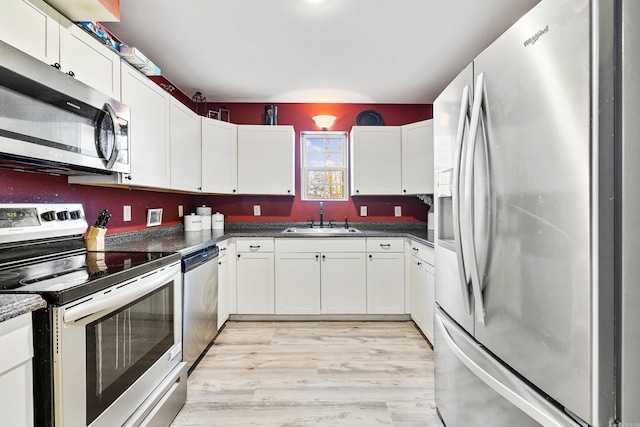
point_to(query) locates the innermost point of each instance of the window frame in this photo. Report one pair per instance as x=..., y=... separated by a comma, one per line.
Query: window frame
x=304, y=135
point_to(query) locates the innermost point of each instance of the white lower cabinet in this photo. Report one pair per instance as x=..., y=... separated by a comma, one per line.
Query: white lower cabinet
x=344, y=283
x=385, y=276
x=320, y=276
x=422, y=288
x=16, y=378
x=223, y=283
x=297, y=283
x=255, y=276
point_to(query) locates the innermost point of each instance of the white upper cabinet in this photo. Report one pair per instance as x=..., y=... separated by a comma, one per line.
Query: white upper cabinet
x=392, y=160
x=185, y=148
x=40, y=31
x=33, y=27
x=417, y=158
x=266, y=160
x=219, y=157
x=148, y=131
x=90, y=61
x=376, y=160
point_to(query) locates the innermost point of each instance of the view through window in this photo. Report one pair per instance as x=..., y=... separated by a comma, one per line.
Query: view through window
x=324, y=165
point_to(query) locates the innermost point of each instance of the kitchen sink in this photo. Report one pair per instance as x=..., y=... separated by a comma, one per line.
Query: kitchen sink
x=322, y=230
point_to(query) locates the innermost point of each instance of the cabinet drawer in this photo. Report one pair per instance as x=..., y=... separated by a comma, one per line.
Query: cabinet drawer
x=254, y=245
x=224, y=247
x=320, y=244
x=379, y=244
x=428, y=255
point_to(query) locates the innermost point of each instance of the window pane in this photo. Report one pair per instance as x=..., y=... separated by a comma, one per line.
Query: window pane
x=325, y=184
x=324, y=152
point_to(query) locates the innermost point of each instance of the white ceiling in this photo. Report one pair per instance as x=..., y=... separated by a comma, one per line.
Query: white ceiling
x=314, y=51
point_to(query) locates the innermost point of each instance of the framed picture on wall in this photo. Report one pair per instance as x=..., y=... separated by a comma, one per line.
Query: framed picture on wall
x=154, y=217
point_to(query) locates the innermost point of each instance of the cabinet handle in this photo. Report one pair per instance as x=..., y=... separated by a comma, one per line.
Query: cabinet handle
x=254, y=246
x=72, y=74
x=385, y=245
x=223, y=249
x=415, y=249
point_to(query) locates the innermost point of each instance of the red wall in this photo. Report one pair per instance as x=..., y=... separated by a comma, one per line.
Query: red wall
x=16, y=187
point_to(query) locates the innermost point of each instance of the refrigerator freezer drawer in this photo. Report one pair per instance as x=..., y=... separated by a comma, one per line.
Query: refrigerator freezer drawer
x=472, y=388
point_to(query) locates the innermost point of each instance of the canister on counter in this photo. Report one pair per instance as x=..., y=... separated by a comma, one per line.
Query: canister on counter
x=192, y=222
x=217, y=221
x=205, y=216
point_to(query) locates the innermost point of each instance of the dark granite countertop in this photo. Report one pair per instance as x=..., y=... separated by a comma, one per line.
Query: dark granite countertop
x=14, y=305
x=175, y=239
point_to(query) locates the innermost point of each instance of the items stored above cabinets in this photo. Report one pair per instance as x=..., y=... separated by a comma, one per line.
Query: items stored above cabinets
x=40, y=31
x=392, y=160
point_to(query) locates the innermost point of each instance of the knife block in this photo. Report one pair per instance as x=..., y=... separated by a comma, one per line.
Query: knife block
x=95, y=239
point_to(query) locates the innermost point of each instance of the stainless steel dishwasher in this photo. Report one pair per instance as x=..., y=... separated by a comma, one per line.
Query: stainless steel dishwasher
x=200, y=303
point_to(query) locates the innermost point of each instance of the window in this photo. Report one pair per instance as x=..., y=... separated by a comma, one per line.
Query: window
x=324, y=165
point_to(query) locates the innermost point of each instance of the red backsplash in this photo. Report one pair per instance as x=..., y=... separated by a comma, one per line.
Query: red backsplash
x=41, y=188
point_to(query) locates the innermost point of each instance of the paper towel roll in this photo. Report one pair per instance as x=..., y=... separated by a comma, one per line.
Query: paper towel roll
x=192, y=222
x=205, y=216
x=217, y=221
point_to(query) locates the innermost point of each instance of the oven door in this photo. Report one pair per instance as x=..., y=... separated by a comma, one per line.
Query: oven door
x=113, y=348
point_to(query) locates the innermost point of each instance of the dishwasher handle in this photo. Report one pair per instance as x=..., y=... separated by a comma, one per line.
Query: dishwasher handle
x=199, y=258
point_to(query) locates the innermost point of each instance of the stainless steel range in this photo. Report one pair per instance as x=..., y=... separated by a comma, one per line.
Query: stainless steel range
x=108, y=349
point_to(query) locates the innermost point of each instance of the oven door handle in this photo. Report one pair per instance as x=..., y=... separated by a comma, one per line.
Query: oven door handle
x=112, y=299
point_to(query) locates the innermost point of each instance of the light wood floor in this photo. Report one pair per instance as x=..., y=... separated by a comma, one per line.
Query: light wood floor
x=313, y=374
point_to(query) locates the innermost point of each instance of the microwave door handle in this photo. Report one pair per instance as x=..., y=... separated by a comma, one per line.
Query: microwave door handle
x=108, y=109
x=455, y=202
x=95, y=308
x=472, y=256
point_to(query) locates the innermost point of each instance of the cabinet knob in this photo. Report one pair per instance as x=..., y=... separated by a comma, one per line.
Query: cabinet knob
x=289, y=191
x=357, y=191
x=324, y=257
x=234, y=190
x=238, y=255
x=317, y=256
x=72, y=74
x=128, y=177
x=371, y=257
x=404, y=191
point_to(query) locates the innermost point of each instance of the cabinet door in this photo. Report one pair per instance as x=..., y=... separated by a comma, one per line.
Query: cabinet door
x=223, y=290
x=385, y=283
x=417, y=158
x=429, y=283
x=92, y=62
x=297, y=283
x=255, y=283
x=417, y=290
x=33, y=27
x=185, y=148
x=148, y=130
x=266, y=160
x=343, y=283
x=376, y=160
x=219, y=157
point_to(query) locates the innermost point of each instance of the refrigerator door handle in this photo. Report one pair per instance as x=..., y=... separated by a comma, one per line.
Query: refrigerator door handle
x=499, y=378
x=457, y=180
x=471, y=255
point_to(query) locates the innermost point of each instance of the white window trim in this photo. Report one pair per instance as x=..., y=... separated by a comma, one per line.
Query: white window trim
x=303, y=168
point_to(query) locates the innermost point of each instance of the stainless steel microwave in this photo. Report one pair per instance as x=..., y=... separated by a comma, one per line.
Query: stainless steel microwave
x=51, y=122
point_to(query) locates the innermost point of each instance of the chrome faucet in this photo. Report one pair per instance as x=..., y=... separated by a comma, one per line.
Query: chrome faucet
x=321, y=215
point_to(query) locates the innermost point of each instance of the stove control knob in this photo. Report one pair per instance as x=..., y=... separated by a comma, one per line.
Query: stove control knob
x=75, y=214
x=49, y=216
x=63, y=215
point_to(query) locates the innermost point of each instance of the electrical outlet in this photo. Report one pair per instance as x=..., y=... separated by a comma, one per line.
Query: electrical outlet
x=363, y=211
x=180, y=211
x=126, y=213
x=397, y=210
x=256, y=210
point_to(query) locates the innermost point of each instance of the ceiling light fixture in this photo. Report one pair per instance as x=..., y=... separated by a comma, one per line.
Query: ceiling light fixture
x=324, y=121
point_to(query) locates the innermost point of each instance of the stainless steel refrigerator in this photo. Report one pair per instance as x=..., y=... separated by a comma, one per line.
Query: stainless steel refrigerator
x=537, y=161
